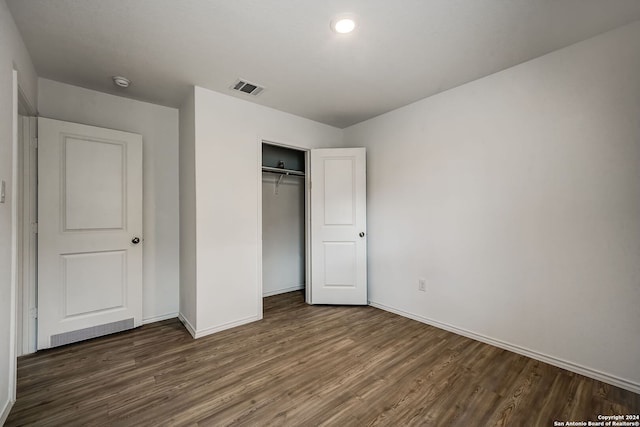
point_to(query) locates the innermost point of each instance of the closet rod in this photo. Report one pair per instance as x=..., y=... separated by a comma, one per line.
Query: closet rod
x=282, y=171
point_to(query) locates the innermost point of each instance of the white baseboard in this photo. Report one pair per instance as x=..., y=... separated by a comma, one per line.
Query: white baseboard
x=282, y=291
x=188, y=326
x=159, y=318
x=5, y=411
x=208, y=331
x=560, y=363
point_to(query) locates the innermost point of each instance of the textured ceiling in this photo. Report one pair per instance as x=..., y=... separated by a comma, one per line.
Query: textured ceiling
x=402, y=50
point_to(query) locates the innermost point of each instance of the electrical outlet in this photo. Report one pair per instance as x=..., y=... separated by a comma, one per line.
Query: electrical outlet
x=422, y=285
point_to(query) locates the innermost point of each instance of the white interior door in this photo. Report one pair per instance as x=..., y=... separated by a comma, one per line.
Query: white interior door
x=338, y=226
x=89, y=232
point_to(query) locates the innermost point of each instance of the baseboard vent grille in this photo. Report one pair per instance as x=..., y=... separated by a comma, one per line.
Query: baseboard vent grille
x=92, y=332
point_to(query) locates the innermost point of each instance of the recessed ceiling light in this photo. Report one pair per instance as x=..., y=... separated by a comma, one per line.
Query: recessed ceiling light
x=121, y=81
x=343, y=24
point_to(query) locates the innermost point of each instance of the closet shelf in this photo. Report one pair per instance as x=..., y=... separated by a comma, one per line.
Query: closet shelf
x=282, y=171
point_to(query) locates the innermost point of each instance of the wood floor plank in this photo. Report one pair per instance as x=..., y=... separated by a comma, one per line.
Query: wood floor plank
x=302, y=365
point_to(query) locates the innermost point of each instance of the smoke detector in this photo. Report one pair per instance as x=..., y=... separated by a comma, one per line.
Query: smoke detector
x=121, y=81
x=242, y=85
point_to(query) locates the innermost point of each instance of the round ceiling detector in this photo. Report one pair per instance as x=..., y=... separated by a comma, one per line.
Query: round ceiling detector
x=121, y=81
x=343, y=24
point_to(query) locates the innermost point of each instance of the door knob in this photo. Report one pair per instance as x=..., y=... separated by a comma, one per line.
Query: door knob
x=135, y=240
x=361, y=234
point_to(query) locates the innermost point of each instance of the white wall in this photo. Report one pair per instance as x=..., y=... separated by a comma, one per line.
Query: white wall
x=283, y=234
x=188, y=233
x=517, y=197
x=13, y=55
x=158, y=126
x=228, y=134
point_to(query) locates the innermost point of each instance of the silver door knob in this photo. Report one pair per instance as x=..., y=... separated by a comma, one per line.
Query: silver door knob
x=361, y=234
x=135, y=240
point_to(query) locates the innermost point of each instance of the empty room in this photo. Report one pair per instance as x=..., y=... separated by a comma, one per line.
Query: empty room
x=301, y=213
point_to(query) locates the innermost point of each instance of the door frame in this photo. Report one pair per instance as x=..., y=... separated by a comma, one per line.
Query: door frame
x=307, y=216
x=27, y=310
x=24, y=265
x=20, y=105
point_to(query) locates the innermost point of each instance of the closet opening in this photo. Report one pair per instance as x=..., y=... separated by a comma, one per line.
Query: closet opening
x=285, y=202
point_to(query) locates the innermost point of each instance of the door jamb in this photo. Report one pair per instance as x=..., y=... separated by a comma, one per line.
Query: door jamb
x=15, y=256
x=29, y=193
x=26, y=263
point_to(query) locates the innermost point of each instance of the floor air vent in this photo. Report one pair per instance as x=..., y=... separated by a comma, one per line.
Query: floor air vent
x=93, y=332
x=246, y=87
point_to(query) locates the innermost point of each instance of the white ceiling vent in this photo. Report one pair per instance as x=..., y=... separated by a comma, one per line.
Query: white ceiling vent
x=246, y=87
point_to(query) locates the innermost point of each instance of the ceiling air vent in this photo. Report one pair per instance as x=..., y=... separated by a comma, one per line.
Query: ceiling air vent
x=246, y=87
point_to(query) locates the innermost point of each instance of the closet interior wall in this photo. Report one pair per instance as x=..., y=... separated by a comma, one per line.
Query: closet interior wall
x=283, y=222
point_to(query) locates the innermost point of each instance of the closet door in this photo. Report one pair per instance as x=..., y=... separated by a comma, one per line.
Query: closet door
x=338, y=226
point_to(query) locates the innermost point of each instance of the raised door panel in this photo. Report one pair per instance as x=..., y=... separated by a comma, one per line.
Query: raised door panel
x=338, y=191
x=93, y=282
x=94, y=184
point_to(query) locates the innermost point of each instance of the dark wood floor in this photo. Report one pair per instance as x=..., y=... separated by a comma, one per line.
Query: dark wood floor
x=303, y=366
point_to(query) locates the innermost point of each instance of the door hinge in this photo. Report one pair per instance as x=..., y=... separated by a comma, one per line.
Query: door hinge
x=35, y=142
x=34, y=227
x=34, y=313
